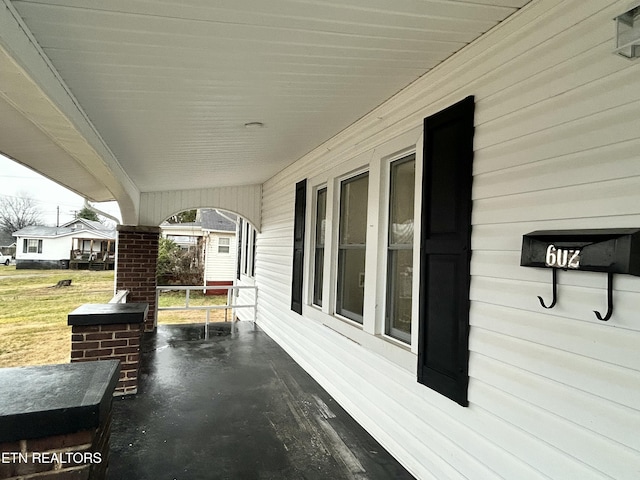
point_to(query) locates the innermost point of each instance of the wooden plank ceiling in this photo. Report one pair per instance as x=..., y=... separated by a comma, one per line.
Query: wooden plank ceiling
x=170, y=85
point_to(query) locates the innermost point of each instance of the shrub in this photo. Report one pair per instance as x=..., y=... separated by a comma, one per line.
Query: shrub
x=177, y=266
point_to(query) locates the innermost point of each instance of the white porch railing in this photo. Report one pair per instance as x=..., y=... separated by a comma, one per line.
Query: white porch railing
x=120, y=297
x=232, y=293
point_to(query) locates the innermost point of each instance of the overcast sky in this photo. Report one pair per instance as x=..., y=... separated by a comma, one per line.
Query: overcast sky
x=19, y=181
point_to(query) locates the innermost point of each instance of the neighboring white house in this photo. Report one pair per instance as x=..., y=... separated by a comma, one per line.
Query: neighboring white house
x=219, y=231
x=186, y=235
x=216, y=232
x=79, y=243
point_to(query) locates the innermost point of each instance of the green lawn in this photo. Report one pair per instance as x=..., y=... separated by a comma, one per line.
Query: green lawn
x=33, y=313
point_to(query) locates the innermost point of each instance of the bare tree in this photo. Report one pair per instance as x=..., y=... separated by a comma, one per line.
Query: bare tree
x=17, y=213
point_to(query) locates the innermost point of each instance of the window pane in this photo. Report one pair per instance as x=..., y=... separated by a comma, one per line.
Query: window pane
x=252, y=271
x=353, y=210
x=239, y=249
x=351, y=251
x=321, y=213
x=223, y=245
x=400, y=250
x=34, y=245
x=399, y=294
x=351, y=283
x=245, y=266
x=318, y=277
x=401, y=207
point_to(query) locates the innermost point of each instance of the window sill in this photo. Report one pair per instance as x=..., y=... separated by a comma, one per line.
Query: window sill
x=398, y=353
x=245, y=279
x=394, y=341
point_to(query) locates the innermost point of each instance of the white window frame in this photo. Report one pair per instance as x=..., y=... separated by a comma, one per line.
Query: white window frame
x=381, y=295
x=37, y=243
x=246, y=247
x=312, y=266
x=371, y=333
x=222, y=246
x=383, y=235
x=338, y=192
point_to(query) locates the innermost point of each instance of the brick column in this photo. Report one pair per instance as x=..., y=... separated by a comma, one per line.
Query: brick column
x=110, y=331
x=79, y=456
x=136, y=261
x=55, y=421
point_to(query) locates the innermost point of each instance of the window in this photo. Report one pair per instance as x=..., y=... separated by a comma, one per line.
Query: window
x=400, y=249
x=318, y=260
x=239, y=248
x=31, y=245
x=223, y=245
x=245, y=254
x=246, y=249
x=252, y=269
x=352, y=247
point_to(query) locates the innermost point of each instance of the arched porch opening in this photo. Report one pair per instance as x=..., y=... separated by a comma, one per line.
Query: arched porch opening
x=141, y=248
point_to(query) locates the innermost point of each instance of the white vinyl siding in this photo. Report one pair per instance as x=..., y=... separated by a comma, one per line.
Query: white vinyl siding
x=552, y=393
x=220, y=266
x=51, y=248
x=155, y=207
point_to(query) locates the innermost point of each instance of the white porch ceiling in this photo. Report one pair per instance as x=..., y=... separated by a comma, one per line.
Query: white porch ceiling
x=168, y=86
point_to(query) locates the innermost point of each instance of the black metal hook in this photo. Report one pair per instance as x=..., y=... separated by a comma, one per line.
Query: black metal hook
x=609, y=299
x=555, y=290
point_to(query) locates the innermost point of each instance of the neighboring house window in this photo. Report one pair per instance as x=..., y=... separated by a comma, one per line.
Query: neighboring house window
x=223, y=245
x=318, y=261
x=400, y=249
x=32, y=245
x=352, y=247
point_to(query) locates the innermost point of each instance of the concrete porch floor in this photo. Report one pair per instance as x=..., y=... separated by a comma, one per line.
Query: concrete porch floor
x=235, y=406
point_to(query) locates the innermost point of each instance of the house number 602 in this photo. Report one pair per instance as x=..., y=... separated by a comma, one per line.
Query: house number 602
x=561, y=258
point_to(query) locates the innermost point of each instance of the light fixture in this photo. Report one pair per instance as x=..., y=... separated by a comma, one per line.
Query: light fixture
x=628, y=32
x=253, y=125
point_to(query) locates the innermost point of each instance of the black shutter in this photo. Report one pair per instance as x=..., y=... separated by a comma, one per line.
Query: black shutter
x=298, y=246
x=445, y=251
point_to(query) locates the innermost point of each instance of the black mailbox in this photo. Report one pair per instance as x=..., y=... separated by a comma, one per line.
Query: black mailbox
x=612, y=250
x=609, y=250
